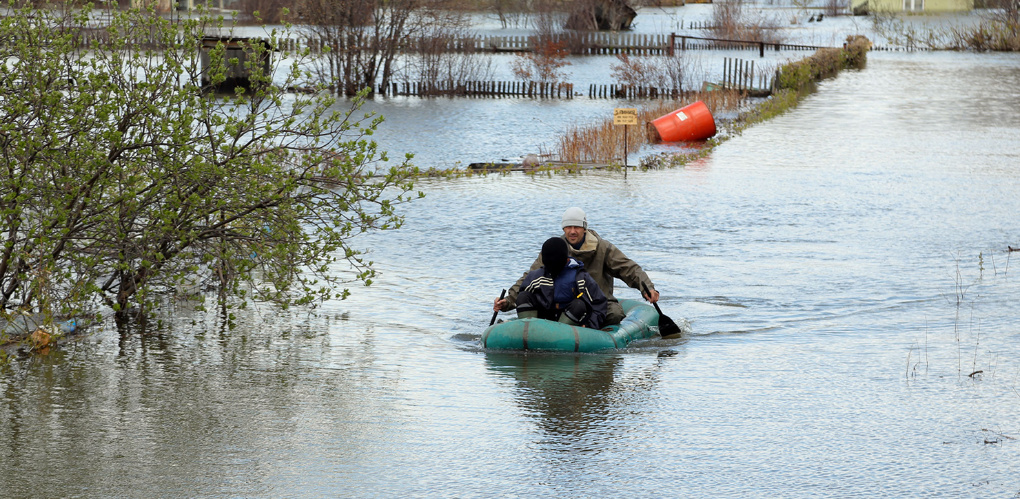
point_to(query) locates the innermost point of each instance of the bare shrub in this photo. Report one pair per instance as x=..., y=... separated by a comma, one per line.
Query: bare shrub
x=262, y=11
x=997, y=32
x=633, y=71
x=592, y=15
x=837, y=7
x=433, y=62
x=680, y=72
x=546, y=18
x=548, y=56
x=734, y=20
x=1008, y=13
x=909, y=35
x=524, y=13
x=1005, y=25
x=543, y=64
x=361, y=39
x=989, y=35
x=511, y=13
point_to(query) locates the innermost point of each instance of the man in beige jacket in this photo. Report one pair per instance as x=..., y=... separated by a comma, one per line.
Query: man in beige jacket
x=603, y=261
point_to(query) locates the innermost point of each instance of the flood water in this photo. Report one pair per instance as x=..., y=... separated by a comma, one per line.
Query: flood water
x=844, y=269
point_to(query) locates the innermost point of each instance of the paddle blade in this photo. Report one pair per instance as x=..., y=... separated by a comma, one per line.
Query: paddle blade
x=667, y=328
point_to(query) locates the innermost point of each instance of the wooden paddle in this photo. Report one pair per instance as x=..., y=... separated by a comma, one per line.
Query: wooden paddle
x=496, y=312
x=667, y=328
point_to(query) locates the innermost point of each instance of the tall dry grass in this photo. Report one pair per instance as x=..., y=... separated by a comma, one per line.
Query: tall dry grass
x=603, y=142
x=999, y=31
x=994, y=35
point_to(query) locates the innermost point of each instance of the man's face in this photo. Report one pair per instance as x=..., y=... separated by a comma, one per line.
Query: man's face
x=573, y=233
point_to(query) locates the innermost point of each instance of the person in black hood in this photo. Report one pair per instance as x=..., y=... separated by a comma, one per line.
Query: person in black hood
x=561, y=290
x=603, y=261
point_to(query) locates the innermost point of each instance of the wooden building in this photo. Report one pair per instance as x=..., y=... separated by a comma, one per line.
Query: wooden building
x=917, y=6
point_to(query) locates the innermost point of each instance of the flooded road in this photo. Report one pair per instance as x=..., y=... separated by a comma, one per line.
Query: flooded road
x=844, y=268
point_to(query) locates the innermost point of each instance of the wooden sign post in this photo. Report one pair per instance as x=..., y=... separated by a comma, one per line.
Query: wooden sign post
x=625, y=116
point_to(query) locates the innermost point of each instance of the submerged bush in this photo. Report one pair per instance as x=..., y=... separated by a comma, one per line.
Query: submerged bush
x=823, y=63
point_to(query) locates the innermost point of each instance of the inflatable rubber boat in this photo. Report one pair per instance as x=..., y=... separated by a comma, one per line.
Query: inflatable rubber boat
x=641, y=321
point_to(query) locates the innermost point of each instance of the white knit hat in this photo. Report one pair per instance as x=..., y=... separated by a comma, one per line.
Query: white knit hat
x=575, y=217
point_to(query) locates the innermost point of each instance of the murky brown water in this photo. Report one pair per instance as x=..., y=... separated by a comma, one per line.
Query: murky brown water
x=819, y=258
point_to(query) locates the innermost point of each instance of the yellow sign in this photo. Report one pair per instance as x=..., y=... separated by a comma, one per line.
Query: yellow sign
x=624, y=116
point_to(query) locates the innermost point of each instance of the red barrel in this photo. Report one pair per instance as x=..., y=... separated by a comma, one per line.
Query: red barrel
x=693, y=122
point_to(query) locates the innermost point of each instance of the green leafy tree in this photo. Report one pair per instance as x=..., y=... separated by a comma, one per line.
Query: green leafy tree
x=124, y=174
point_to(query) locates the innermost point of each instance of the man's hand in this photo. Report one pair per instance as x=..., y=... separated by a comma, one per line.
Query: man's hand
x=652, y=296
x=498, y=304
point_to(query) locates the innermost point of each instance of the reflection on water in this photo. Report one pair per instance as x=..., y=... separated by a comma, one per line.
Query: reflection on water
x=566, y=394
x=820, y=258
x=577, y=400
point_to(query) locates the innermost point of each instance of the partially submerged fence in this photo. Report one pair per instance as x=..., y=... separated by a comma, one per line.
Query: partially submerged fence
x=739, y=74
x=582, y=43
x=576, y=43
x=484, y=89
x=686, y=42
x=619, y=91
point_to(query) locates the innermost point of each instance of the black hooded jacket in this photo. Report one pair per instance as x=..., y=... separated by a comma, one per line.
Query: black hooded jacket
x=542, y=286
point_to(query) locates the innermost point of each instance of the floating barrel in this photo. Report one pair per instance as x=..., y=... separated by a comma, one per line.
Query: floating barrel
x=693, y=122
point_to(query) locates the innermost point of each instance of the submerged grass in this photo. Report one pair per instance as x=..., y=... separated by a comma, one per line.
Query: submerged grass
x=958, y=337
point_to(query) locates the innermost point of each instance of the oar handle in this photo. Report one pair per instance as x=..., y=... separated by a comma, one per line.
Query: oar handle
x=645, y=291
x=496, y=312
x=656, y=304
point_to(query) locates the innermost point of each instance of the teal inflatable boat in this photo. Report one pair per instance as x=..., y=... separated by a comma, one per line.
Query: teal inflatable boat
x=542, y=335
